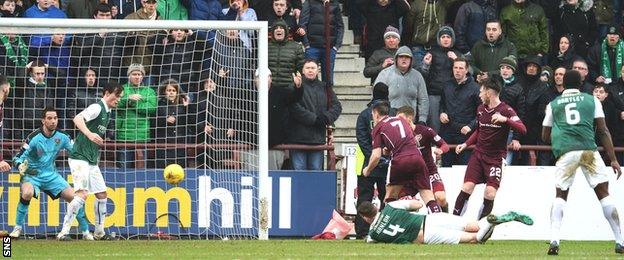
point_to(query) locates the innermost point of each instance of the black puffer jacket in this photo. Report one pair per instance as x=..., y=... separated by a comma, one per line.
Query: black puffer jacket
x=312, y=21
x=441, y=69
x=536, y=94
x=512, y=95
x=378, y=18
x=176, y=60
x=285, y=58
x=470, y=22
x=279, y=101
x=578, y=21
x=101, y=52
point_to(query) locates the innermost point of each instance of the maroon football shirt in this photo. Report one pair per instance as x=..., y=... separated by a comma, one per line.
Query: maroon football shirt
x=395, y=134
x=492, y=138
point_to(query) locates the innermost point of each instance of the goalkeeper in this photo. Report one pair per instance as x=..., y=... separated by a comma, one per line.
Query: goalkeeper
x=35, y=162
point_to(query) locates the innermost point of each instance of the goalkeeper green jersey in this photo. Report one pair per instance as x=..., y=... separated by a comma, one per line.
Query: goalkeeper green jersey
x=571, y=117
x=394, y=225
x=97, y=116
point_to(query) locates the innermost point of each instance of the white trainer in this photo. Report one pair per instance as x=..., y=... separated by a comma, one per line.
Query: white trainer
x=86, y=235
x=17, y=231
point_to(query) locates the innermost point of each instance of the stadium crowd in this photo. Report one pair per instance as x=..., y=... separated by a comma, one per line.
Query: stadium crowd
x=180, y=84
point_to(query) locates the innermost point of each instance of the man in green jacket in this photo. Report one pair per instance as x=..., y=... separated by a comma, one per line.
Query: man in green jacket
x=488, y=53
x=285, y=55
x=136, y=106
x=525, y=25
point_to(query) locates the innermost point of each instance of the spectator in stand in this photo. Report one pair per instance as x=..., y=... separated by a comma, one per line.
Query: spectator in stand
x=424, y=18
x=44, y=9
x=280, y=98
x=526, y=26
x=82, y=9
x=239, y=11
x=458, y=107
x=14, y=55
x=605, y=59
x=102, y=51
x=80, y=95
x=171, y=119
x=172, y=10
x=470, y=23
x=56, y=54
x=280, y=11
x=137, y=105
x=406, y=86
x=487, y=53
x=614, y=117
x=366, y=184
x=205, y=10
x=29, y=100
x=309, y=118
x=285, y=56
x=603, y=11
x=512, y=94
x=114, y=11
x=564, y=55
x=576, y=18
x=536, y=97
x=379, y=14
x=582, y=67
x=384, y=57
x=136, y=42
x=312, y=22
x=126, y=7
x=617, y=86
x=558, y=86
x=176, y=53
x=266, y=9
x=437, y=68
x=8, y=9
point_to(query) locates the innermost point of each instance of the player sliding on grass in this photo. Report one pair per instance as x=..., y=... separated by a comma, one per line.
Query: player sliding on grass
x=425, y=137
x=395, y=135
x=83, y=160
x=397, y=224
x=495, y=119
x=35, y=162
x=574, y=118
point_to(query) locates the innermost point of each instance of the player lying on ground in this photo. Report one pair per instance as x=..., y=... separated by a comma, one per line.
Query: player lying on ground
x=426, y=137
x=394, y=135
x=396, y=223
x=35, y=162
x=574, y=119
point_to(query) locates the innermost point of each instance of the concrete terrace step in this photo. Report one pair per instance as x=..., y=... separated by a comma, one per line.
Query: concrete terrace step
x=349, y=48
x=344, y=132
x=353, y=90
x=352, y=107
x=352, y=64
x=346, y=121
x=350, y=79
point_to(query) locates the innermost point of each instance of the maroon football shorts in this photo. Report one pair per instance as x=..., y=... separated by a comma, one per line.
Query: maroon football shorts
x=409, y=170
x=436, y=182
x=484, y=169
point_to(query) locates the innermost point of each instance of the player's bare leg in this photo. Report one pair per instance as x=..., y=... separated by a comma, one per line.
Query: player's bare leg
x=68, y=195
x=440, y=197
x=462, y=198
x=392, y=192
x=27, y=192
x=488, y=201
x=100, y=214
x=611, y=214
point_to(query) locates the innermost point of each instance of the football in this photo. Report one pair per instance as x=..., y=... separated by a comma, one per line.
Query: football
x=173, y=174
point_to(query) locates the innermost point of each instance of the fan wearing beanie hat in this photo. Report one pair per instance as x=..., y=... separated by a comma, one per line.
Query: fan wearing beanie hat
x=510, y=62
x=610, y=55
x=392, y=32
x=136, y=67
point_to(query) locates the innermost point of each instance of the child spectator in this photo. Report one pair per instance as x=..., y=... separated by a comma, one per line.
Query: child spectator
x=171, y=124
x=614, y=117
x=8, y=9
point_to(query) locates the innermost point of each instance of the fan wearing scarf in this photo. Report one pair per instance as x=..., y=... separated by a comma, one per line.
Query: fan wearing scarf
x=14, y=55
x=609, y=62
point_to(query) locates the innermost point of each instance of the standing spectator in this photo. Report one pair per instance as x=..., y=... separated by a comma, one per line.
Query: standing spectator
x=137, y=105
x=379, y=14
x=603, y=11
x=525, y=25
x=423, y=19
x=285, y=55
x=126, y=7
x=172, y=10
x=366, y=184
x=265, y=9
x=309, y=117
x=101, y=51
x=312, y=22
x=564, y=55
x=558, y=86
x=614, y=117
x=136, y=42
x=280, y=12
x=617, y=86
x=280, y=98
x=205, y=10
x=44, y=9
x=9, y=10
x=458, y=107
x=487, y=54
x=471, y=20
x=582, y=67
x=576, y=18
x=406, y=86
x=56, y=54
x=14, y=55
x=239, y=11
x=512, y=94
x=80, y=95
x=80, y=9
x=171, y=124
x=605, y=59
x=437, y=68
x=384, y=57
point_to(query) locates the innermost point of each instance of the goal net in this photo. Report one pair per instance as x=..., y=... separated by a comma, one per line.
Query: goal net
x=195, y=94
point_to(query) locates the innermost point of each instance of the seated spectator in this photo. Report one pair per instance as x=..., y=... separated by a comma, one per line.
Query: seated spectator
x=379, y=14
x=171, y=121
x=437, y=66
x=285, y=56
x=312, y=22
x=512, y=94
x=384, y=57
x=239, y=11
x=406, y=86
x=14, y=55
x=280, y=12
x=564, y=55
x=8, y=9
x=487, y=53
x=575, y=18
x=614, y=117
x=309, y=118
x=605, y=59
x=80, y=9
x=137, y=105
x=470, y=22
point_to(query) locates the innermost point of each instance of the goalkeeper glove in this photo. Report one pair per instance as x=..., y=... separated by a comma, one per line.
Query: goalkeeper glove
x=22, y=167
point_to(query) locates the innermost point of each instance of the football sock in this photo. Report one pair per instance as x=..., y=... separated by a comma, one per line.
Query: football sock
x=611, y=214
x=433, y=206
x=83, y=224
x=72, y=209
x=100, y=213
x=484, y=230
x=460, y=203
x=444, y=208
x=22, y=208
x=556, y=215
x=486, y=208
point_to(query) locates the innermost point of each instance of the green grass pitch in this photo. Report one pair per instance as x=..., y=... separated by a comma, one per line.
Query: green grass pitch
x=298, y=249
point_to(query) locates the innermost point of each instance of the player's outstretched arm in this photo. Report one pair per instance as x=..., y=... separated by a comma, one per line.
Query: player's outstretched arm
x=81, y=124
x=605, y=139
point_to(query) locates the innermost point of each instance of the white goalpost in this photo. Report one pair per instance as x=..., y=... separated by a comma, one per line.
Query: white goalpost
x=215, y=124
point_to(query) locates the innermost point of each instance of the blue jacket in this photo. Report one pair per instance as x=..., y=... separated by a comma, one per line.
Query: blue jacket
x=470, y=22
x=205, y=10
x=35, y=12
